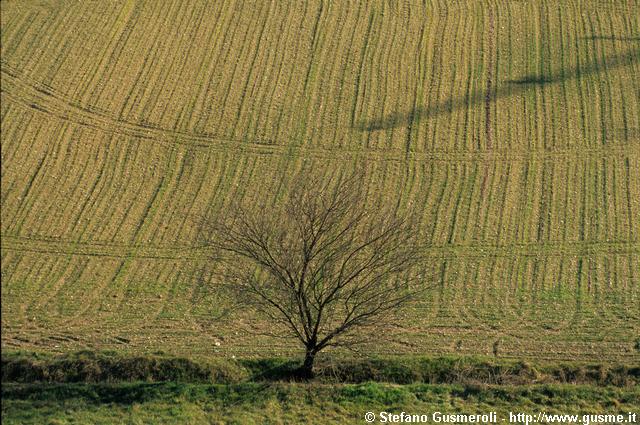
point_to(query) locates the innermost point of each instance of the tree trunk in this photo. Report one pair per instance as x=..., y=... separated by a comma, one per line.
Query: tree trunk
x=306, y=370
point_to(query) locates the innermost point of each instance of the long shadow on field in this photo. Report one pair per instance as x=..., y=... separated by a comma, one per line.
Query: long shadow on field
x=510, y=88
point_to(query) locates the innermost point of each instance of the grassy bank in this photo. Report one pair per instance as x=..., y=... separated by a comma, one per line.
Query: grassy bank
x=270, y=402
x=107, y=387
x=111, y=367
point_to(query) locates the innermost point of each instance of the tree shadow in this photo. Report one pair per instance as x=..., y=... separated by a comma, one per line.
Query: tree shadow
x=509, y=88
x=533, y=79
x=273, y=369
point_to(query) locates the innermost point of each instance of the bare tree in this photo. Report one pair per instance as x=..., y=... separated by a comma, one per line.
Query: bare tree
x=322, y=266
